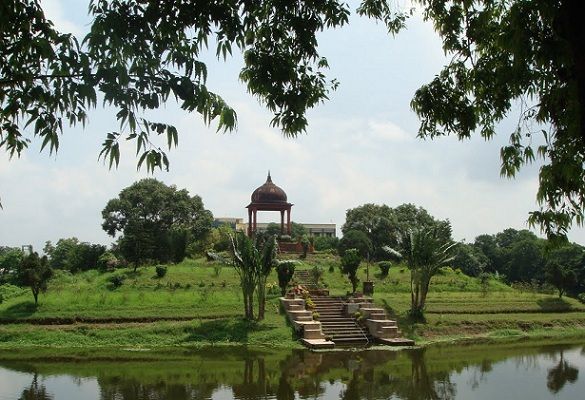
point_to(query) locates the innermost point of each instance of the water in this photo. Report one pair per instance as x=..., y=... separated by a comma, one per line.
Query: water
x=457, y=372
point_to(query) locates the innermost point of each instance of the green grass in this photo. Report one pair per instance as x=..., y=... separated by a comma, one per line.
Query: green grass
x=196, y=303
x=189, y=290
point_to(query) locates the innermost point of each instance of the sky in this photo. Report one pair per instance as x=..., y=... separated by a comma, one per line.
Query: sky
x=360, y=147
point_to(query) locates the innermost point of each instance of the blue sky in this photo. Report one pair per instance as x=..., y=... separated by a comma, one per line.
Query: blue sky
x=360, y=147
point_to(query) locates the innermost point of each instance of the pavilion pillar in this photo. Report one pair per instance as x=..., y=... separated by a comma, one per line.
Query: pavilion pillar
x=249, y=222
x=288, y=230
x=255, y=220
x=282, y=222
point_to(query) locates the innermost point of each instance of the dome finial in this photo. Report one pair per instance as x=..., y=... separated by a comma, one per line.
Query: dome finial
x=268, y=179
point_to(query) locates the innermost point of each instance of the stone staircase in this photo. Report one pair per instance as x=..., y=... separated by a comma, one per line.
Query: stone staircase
x=336, y=325
x=305, y=279
x=341, y=329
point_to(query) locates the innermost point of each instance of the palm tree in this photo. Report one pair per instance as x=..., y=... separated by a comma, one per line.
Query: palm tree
x=425, y=251
x=253, y=260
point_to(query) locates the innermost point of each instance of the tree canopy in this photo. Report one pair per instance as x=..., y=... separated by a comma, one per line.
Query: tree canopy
x=157, y=221
x=384, y=226
x=529, y=53
x=139, y=55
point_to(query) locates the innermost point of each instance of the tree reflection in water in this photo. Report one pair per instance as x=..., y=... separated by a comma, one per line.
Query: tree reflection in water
x=559, y=375
x=406, y=375
x=35, y=391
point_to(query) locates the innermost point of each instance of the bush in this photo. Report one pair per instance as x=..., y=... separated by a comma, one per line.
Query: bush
x=115, y=281
x=326, y=243
x=316, y=274
x=285, y=271
x=107, y=262
x=8, y=291
x=161, y=271
x=384, y=267
x=581, y=297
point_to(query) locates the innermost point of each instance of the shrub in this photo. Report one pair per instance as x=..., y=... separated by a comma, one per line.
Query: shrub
x=350, y=262
x=285, y=271
x=8, y=291
x=115, y=281
x=316, y=274
x=316, y=315
x=581, y=297
x=384, y=267
x=161, y=271
x=484, y=280
x=326, y=243
x=107, y=261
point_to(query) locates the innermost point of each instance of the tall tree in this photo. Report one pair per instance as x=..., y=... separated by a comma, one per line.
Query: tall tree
x=563, y=267
x=383, y=225
x=153, y=218
x=253, y=259
x=35, y=273
x=424, y=251
x=503, y=53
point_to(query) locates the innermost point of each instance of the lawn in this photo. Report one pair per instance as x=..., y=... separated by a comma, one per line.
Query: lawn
x=199, y=303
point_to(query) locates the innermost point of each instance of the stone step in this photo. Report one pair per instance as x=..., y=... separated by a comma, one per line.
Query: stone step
x=339, y=323
x=343, y=332
x=334, y=319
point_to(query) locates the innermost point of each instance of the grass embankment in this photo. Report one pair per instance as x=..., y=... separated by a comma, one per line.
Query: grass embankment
x=195, y=304
x=199, y=303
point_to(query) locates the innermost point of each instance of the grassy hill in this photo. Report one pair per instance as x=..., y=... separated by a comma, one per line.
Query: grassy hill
x=199, y=303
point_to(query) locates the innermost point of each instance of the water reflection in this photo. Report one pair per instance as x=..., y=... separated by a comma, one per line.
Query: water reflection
x=36, y=391
x=435, y=373
x=560, y=374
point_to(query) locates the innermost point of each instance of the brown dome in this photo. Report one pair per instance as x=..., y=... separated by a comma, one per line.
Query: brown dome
x=269, y=193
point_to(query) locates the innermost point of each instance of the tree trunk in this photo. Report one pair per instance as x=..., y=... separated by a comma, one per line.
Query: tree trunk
x=250, y=305
x=261, y=299
x=35, y=295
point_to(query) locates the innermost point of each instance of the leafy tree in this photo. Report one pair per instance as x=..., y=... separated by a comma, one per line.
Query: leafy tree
x=350, y=262
x=156, y=221
x=376, y=222
x=560, y=276
x=469, y=259
x=253, y=260
x=563, y=268
x=383, y=225
x=285, y=270
x=355, y=239
x=505, y=52
x=326, y=243
x=73, y=255
x=139, y=54
x=10, y=259
x=273, y=229
x=425, y=251
x=489, y=247
x=35, y=273
x=524, y=260
x=107, y=261
x=297, y=231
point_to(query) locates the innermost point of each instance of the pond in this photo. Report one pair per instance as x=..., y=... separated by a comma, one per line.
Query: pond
x=458, y=372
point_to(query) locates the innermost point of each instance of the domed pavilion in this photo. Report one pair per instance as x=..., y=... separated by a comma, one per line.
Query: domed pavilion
x=269, y=197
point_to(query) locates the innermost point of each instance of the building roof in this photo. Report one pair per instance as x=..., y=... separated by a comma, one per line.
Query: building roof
x=269, y=193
